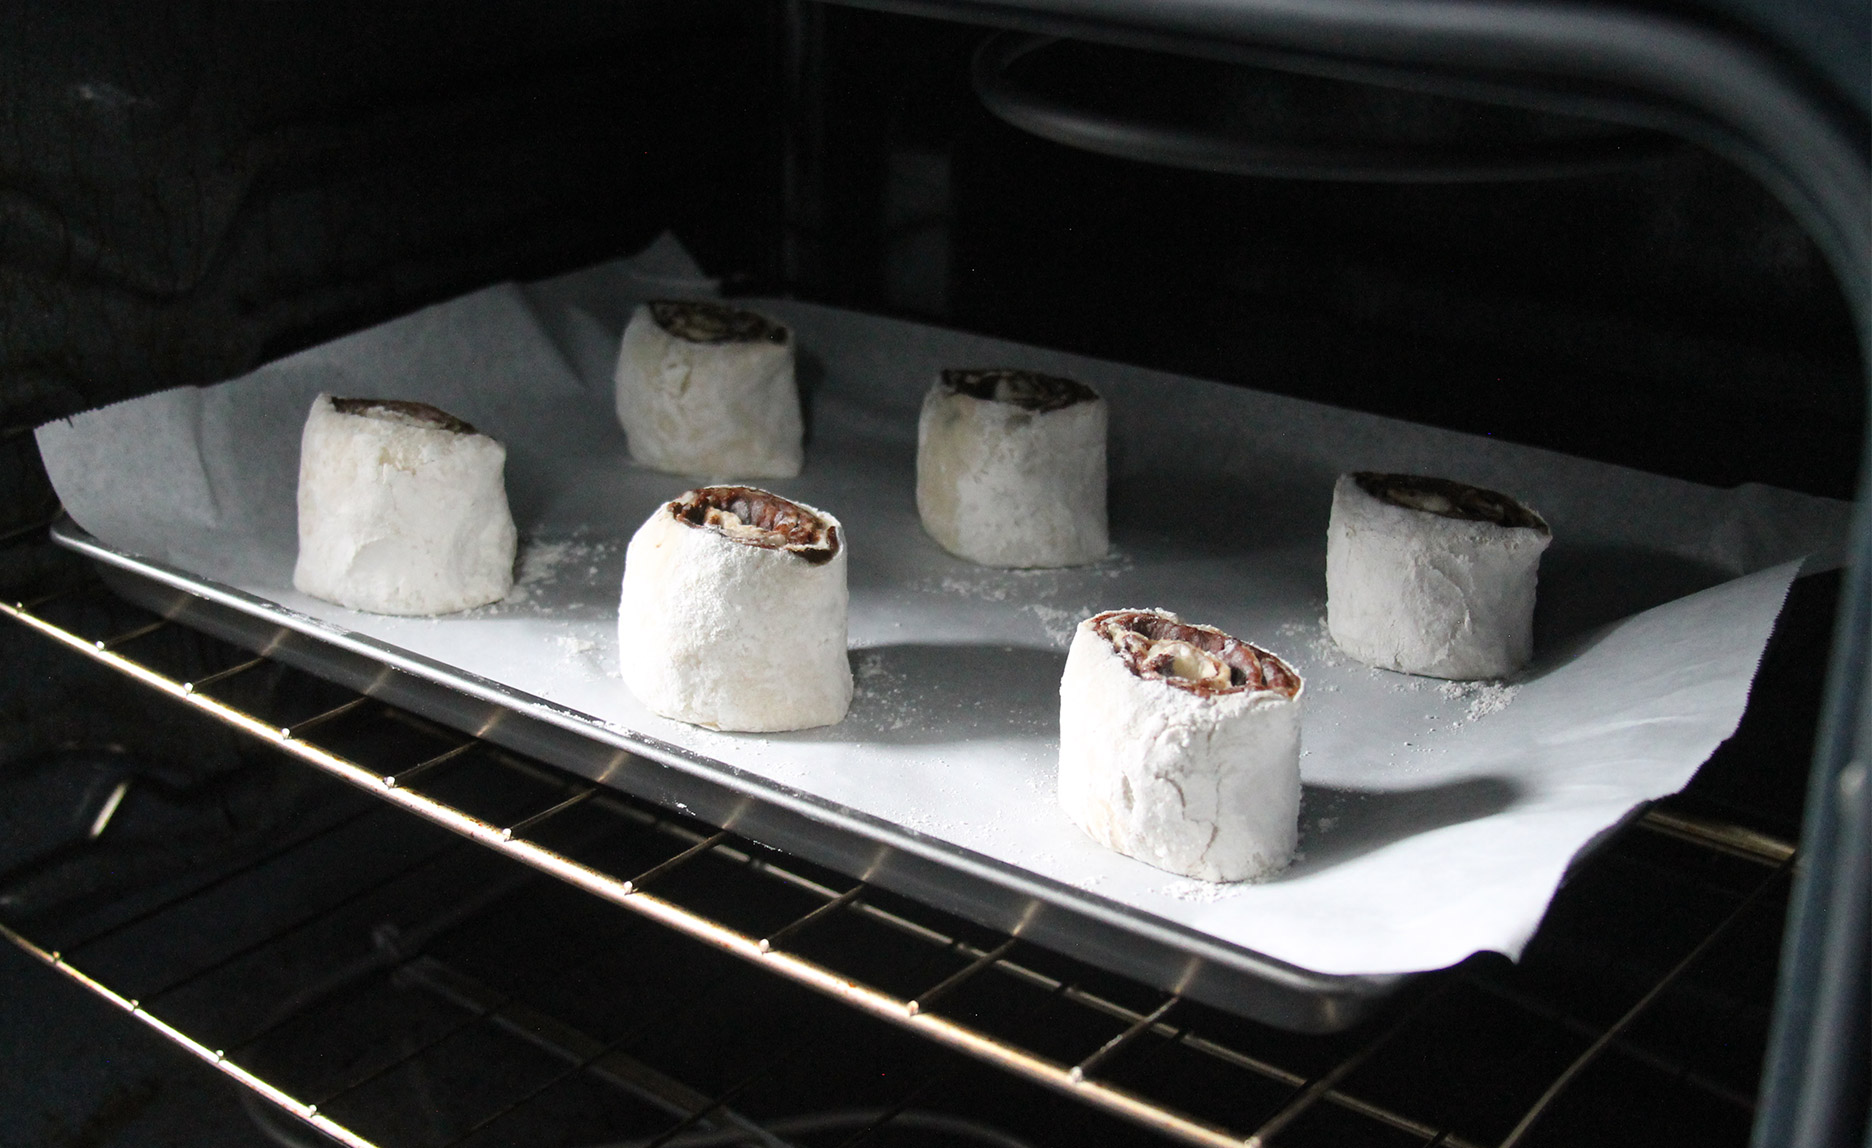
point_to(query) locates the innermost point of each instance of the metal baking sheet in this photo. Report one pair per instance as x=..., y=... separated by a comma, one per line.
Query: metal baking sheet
x=1438, y=818
x=1003, y=897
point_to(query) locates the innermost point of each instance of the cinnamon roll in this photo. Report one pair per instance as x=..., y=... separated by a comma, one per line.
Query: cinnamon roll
x=704, y=388
x=1011, y=468
x=1180, y=745
x=402, y=509
x=1432, y=577
x=733, y=610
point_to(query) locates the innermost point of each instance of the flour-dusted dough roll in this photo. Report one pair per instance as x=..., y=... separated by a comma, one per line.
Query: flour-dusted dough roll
x=733, y=612
x=703, y=388
x=1180, y=746
x=1011, y=468
x=402, y=509
x=1432, y=577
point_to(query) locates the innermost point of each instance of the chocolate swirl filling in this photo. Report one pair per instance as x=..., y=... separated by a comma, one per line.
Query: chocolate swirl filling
x=1449, y=499
x=1200, y=659
x=405, y=412
x=701, y=322
x=1029, y=390
x=758, y=518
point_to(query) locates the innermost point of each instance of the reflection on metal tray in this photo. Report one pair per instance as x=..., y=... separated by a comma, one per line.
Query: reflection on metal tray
x=1000, y=896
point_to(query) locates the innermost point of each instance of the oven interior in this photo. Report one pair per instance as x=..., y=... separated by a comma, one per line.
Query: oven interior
x=381, y=930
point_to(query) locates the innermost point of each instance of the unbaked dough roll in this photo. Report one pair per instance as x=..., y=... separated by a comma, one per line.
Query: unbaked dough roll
x=1011, y=468
x=704, y=388
x=402, y=509
x=733, y=612
x=1432, y=577
x=1180, y=746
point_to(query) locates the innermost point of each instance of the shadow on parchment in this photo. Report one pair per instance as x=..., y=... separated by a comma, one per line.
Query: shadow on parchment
x=916, y=694
x=1341, y=825
x=1584, y=587
x=1208, y=515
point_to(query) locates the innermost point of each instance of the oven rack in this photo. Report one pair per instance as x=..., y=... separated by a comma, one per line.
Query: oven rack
x=1125, y=1020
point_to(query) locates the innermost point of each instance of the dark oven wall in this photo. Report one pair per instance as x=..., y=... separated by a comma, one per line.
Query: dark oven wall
x=188, y=190
x=1659, y=309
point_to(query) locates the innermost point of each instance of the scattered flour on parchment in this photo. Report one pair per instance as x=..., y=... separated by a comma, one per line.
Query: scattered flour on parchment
x=1060, y=624
x=1037, y=591
x=540, y=563
x=879, y=695
x=1318, y=642
x=1204, y=892
x=976, y=588
x=999, y=584
x=1057, y=623
x=1484, y=698
x=921, y=821
x=543, y=564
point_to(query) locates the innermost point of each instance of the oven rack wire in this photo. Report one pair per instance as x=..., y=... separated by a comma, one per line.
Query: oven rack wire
x=1083, y=1078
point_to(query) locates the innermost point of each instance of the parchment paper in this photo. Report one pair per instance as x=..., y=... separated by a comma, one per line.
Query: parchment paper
x=1438, y=818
